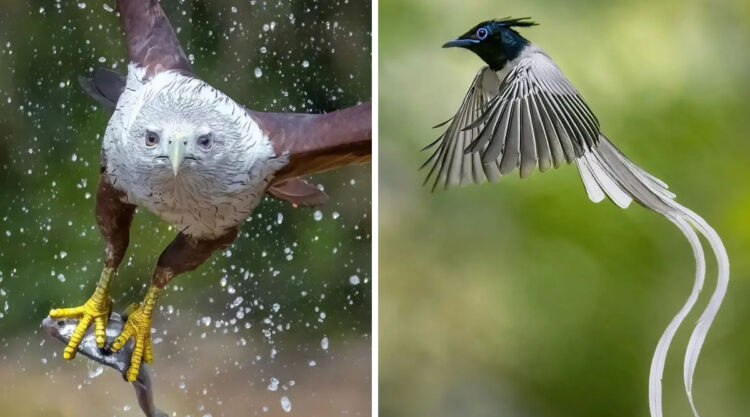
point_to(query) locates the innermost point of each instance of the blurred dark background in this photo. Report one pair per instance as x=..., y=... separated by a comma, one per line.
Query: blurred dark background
x=255, y=312
x=523, y=298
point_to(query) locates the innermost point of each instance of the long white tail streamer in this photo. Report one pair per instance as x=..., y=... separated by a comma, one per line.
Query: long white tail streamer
x=660, y=355
x=605, y=164
x=709, y=314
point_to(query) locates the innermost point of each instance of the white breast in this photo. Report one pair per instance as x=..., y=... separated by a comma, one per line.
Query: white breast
x=197, y=212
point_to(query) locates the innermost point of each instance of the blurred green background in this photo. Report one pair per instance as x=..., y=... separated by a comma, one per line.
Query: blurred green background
x=292, y=279
x=523, y=298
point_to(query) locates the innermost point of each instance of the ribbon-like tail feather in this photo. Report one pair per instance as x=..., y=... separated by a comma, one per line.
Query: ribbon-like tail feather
x=606, y=171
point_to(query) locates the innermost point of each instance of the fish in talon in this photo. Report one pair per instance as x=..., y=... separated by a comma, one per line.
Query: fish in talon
x=63, y=330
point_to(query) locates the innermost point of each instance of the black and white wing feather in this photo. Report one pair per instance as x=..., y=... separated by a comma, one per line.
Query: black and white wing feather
x=534, y=117
x=449, y=163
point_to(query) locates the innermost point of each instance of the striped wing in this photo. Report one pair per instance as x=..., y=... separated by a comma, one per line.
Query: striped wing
x=535, y=118
x=449, y=164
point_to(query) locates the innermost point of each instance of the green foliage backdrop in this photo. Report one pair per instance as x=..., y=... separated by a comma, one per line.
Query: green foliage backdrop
x=523, y=298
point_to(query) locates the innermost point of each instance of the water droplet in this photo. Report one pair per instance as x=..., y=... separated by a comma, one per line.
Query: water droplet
x=95, y=369
x=305, y=64
x=237, y=301
x=273, y=385
x=324, y=343
x=318, y=215
x=258, y=72
x=81, y=5
x=354, y=280
x=286, y=405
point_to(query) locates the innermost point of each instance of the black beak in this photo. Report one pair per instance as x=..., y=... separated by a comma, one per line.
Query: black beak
x=462, y=43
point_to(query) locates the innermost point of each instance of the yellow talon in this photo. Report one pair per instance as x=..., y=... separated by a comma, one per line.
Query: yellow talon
x=138, y=327
x=96, y=309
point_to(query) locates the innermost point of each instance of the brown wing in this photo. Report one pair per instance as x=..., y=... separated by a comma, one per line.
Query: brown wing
x=152, y=43
x=297, y=191
x=319, y=142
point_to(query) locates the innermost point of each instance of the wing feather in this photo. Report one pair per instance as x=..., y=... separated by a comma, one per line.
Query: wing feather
x=533, y=117
x=512, y=148
x=450, y=164
x=528, y=140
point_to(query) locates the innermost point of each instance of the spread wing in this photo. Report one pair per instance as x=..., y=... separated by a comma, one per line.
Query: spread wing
x=450, y=164
x=534, y=118
x=318, y=142
x=152, y=43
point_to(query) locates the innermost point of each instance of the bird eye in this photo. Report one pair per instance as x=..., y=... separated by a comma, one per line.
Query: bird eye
x=151, y=139
x=482, y=34
x=205, y=141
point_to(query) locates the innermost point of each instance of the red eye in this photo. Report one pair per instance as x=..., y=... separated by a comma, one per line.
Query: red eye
x=151, y=139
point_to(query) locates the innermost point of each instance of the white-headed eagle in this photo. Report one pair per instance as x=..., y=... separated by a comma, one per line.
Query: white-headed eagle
x=201, y=161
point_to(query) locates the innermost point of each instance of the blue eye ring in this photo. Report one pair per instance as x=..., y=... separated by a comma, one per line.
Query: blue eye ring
x=482, y=33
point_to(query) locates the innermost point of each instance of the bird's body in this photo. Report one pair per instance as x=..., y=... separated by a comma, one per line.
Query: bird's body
x=215, y=191
x=202, y=162
x=521, y=112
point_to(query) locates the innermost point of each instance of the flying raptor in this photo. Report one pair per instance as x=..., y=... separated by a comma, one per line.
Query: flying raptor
x=202, y=162
x=522, y=112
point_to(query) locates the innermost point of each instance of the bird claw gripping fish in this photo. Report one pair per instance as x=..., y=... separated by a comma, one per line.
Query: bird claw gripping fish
x=63, y=330
x=521, y=112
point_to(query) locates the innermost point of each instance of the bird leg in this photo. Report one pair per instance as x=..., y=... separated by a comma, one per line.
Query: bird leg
x=185, y=253
x=138, y=327
x=96, y=309
x=113, y=217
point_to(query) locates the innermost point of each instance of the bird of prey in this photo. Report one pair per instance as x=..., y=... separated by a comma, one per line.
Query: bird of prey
x=202, y=162
x=521, y=112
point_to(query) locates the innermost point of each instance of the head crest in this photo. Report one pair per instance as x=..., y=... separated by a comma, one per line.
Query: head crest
x=515, y=22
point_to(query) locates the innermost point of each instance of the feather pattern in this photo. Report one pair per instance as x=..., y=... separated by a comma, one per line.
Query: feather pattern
x=531, y=117
x=529, y=114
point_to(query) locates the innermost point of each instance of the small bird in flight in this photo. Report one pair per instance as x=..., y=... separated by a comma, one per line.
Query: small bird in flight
x=199, y=160
x=521, y=112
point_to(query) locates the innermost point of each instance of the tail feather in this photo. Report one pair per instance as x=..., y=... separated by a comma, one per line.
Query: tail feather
x=709, y=314
x=607, y=183
x=606, y=170
x=660, y=355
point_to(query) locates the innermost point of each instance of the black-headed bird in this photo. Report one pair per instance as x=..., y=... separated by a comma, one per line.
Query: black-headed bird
x=521, y=112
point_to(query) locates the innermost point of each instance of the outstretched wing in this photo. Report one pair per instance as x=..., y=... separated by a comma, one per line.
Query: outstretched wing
x=318, y=142
x=152, y=43
x=450, y=164
x=536, y=118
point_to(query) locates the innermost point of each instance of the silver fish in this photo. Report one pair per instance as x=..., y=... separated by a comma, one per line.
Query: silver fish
x=144, y=391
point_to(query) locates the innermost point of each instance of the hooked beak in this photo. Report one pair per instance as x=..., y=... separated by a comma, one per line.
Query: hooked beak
x=176, y=154
x=462, y=43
